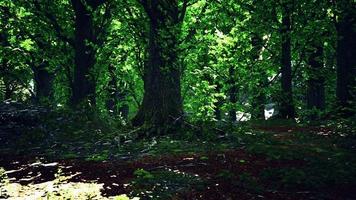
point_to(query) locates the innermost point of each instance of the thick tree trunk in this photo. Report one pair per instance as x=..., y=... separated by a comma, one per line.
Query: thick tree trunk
x=162, y=102
x=287, y=110
x=346, y=62
x=83, y=83
x=316, y=90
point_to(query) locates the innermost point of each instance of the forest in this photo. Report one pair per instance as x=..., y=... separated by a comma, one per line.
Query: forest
x=178, y=99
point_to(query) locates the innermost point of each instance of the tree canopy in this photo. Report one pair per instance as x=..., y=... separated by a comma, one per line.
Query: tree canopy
x=159, y=61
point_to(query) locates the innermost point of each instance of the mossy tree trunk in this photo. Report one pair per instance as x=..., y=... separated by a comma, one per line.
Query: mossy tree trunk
x=162, y=102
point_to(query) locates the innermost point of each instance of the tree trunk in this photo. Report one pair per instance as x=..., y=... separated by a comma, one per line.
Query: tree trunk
x=8, y=91
x=219, y=102
x=315, y=84
x=287, y=110
x=259, y=100
x=346, y=61
x=6, y=79
x=83, y=83
x=232, y=94
x=204, y=59
x=162, y=101
x=43, y=82
x=112, y=99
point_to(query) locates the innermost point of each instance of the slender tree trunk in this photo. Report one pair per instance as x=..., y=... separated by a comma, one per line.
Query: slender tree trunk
x=162, y=101
x=259, y=100
x=8, y=91
x=112, y=99
x=316, y=90
x=287, y=110
x=346, y=61
x=83, y=83
x=117, y=96
x=259, y=104
x=218, y=103
x=211, y=81
x=43, y=82
x=232, y=94
x=6, y=79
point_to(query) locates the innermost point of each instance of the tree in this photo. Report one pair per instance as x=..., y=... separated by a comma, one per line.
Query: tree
x=233, y=90
x=346, y=59
x=313, y=27
x=43, y=81
x=227, y=57
x=287, y=110
x=162, y=102
x=259, y=99
x=315, y=84
x=85, y=38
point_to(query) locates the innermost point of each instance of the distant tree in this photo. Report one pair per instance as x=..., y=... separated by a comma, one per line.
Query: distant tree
x=316, y=91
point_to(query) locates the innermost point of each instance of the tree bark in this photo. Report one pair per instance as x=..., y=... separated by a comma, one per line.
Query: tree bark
x=162, y=101
x=315, y=84
x=346, y=61
x=287, y=110
x=83, y=83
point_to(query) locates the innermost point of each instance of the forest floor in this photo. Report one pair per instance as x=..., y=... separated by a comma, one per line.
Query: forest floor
x=248, y=161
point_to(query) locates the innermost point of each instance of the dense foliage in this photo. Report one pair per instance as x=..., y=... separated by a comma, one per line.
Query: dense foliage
x=198, y=59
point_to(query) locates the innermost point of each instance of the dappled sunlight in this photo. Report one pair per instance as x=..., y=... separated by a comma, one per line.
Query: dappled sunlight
x=54, y=190
x=242, y=116
x=38, y=180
